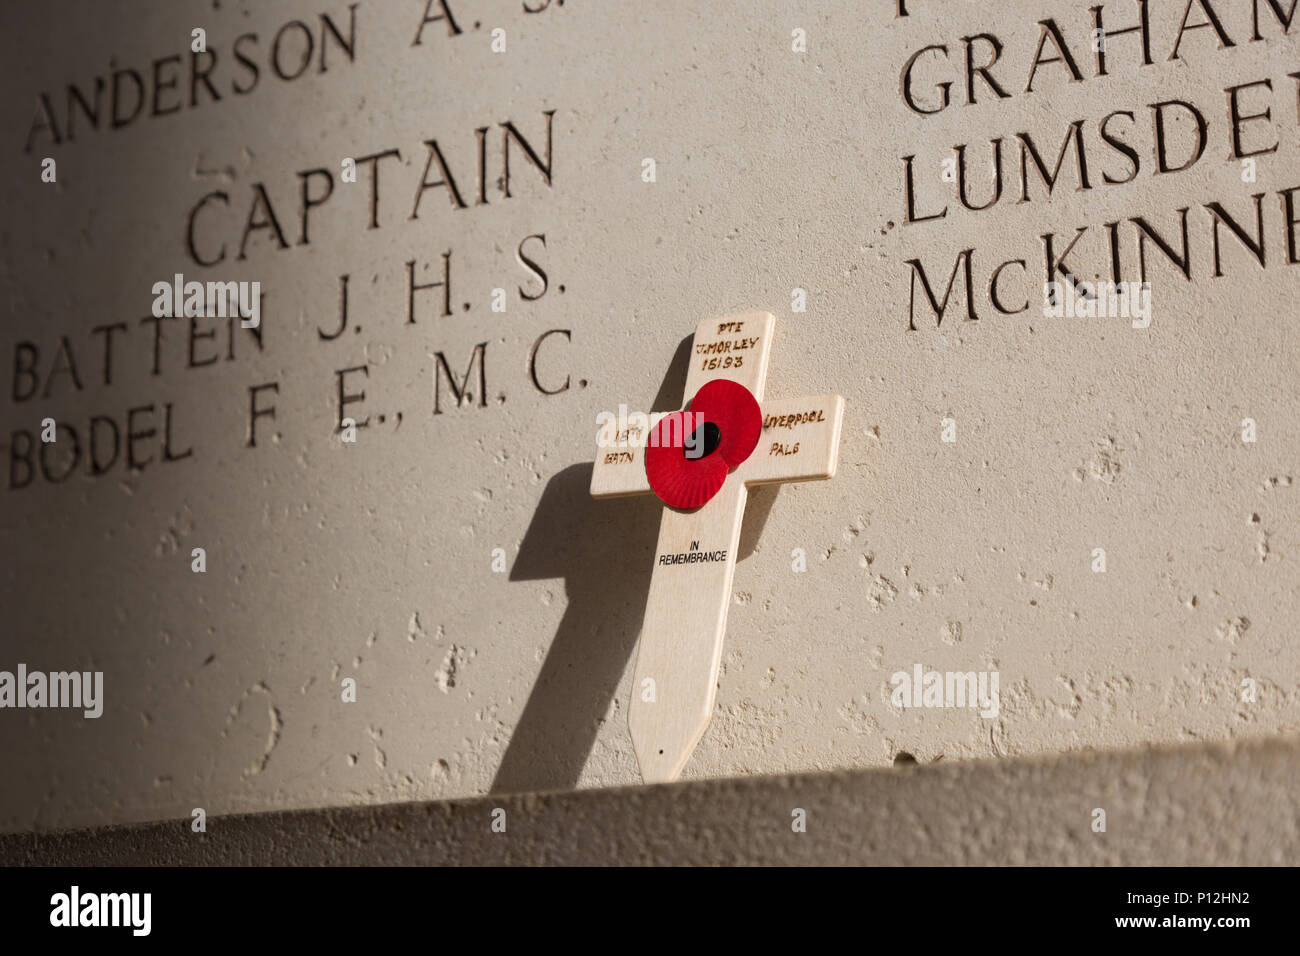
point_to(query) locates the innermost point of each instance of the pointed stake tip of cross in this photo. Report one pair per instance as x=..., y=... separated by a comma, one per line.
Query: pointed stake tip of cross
x=657, y=765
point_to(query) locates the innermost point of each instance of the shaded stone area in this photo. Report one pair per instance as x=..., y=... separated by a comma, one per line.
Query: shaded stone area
x=1202, y=805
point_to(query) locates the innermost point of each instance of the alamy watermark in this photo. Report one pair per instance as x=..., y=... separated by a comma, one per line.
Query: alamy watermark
x=1101, y=300
x=75, y=908
x=922, y=688
x=626, y=429
x=212, y=300
x=83, y=689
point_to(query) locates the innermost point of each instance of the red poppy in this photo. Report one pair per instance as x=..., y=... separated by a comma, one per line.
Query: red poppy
x=689, y=454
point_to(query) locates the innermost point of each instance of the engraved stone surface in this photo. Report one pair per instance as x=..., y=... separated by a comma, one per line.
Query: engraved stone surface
x=476, y=226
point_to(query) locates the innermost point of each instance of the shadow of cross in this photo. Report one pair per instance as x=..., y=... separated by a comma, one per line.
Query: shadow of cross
x=603, y=552
x=680, y=648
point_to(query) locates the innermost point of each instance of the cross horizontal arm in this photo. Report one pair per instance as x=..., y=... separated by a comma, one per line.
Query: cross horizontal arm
x=800, y=441
x=620, y=470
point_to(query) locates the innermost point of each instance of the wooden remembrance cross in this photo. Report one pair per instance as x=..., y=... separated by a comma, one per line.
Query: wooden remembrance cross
x=701, y=463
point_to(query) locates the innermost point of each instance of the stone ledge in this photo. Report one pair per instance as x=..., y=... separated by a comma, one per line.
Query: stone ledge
x=1231, y=804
